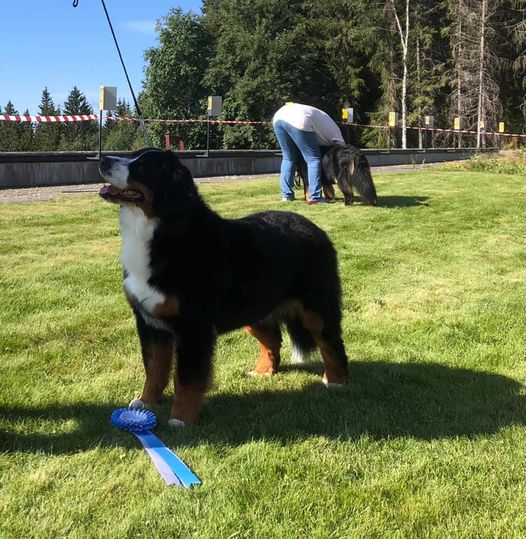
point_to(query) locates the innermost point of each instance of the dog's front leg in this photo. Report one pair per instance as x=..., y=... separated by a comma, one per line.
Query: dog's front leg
x=195, y=342
x=157, y=348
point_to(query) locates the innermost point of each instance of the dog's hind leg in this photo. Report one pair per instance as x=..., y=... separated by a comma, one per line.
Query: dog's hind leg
x=269, y=336
x=158, y=354
x=328, y=338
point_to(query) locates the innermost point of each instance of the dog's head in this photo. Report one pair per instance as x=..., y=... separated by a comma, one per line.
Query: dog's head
x=351, y=169
x=153, y=180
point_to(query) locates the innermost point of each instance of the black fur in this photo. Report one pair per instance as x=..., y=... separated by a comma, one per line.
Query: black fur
x=347, y=166
x=259, y=271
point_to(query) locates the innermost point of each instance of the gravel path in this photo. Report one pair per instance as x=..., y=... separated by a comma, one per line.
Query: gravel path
x=38, y=194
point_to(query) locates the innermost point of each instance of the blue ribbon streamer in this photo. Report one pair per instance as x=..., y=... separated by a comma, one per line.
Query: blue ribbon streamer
x=139, y=422
x=178, y=467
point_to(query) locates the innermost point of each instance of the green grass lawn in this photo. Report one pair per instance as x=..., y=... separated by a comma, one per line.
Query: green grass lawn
x=427, y=440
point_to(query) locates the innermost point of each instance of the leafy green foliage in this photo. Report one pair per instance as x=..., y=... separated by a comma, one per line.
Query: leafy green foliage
x=509, y=163
x=121, y=134
x=174, y=73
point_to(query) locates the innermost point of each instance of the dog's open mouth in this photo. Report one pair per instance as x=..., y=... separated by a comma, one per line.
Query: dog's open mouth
x=112, y=194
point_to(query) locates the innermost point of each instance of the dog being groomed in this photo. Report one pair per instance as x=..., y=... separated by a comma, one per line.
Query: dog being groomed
x=190, y=275
x=347, y=166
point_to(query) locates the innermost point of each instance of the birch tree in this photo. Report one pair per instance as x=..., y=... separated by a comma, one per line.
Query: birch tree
x=403, y=32
x=477, y=63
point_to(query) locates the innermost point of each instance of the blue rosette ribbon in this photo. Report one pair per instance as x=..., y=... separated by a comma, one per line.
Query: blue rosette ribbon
x=139, y=422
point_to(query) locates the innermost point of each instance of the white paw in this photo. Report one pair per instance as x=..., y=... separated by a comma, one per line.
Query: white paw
x=254, y=373
x=328, y=384
x=297, y=356
x=176, y=423
x=138, y=404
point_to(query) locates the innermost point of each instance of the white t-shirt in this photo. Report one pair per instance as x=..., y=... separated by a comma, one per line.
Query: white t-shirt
x=307, y=118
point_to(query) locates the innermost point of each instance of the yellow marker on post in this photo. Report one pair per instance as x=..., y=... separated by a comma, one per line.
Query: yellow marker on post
x=393, y=119
x=501, y=127
x=456, y=123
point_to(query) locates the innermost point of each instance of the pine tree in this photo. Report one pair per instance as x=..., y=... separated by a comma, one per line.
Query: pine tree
x=14, y=136
x=25, y=135
x=78, y=135
x=47, y=135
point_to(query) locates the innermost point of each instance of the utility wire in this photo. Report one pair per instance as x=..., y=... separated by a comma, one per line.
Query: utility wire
x=137, y=108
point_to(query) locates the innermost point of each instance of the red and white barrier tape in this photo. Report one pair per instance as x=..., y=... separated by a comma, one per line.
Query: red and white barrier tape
x=249, y=122
x=438, y=130
x=188, y=121
x=66, y=118
x=48, y=119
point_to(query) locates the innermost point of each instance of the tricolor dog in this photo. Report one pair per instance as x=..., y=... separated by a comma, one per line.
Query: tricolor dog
x=190, y=275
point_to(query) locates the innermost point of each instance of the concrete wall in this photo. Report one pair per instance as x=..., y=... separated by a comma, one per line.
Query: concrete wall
x=71, y=168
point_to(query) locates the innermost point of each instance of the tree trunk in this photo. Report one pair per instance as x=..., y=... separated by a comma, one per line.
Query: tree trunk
x=480, y=109
x=404, y=39
x=420, y=140
x=459, y=79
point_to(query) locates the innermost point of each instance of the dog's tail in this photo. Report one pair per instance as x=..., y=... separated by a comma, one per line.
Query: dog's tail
x=359, y=175
x=302, y=341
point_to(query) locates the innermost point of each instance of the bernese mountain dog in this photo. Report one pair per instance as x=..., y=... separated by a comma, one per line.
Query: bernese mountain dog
x=347, y=166
x=190, y=275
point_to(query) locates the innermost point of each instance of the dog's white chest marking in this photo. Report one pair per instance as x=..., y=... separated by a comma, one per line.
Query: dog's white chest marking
x=137, y=232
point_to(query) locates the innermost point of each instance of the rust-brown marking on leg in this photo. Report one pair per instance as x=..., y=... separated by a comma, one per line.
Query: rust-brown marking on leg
x=158, y=361
x=335, y=370
x=188, y=402
x=269, y=346
x=169, y=307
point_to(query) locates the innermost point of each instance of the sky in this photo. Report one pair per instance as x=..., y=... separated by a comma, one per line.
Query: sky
x=50, y=43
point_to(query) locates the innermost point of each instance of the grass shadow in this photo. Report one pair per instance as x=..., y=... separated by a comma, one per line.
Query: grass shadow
x=401, y=201
x=383, y=401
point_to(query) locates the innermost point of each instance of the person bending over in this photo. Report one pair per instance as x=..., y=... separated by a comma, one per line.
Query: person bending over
x=302, y=129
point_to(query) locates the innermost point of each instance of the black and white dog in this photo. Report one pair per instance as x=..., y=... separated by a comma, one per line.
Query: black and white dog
x=347, y=166
x=190, y=275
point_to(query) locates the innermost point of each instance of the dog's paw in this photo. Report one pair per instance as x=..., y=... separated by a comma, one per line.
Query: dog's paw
x=138, y=404
x=176, y=423
x=255, y=374
x=331, y=385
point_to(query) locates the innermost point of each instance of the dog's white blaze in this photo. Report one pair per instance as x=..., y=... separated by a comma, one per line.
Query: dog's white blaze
x=137, y=232
x=118, y=174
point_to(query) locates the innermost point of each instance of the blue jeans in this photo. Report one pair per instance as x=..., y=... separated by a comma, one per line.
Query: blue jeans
x=293, y=142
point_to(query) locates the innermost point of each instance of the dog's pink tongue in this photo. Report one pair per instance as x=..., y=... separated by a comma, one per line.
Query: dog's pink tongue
x=109, y=190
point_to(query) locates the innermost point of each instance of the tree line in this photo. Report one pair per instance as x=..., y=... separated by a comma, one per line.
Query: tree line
x=446, y=58
x=77, y=136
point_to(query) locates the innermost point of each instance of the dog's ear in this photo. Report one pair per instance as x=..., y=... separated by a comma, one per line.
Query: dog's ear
x=178, y=190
